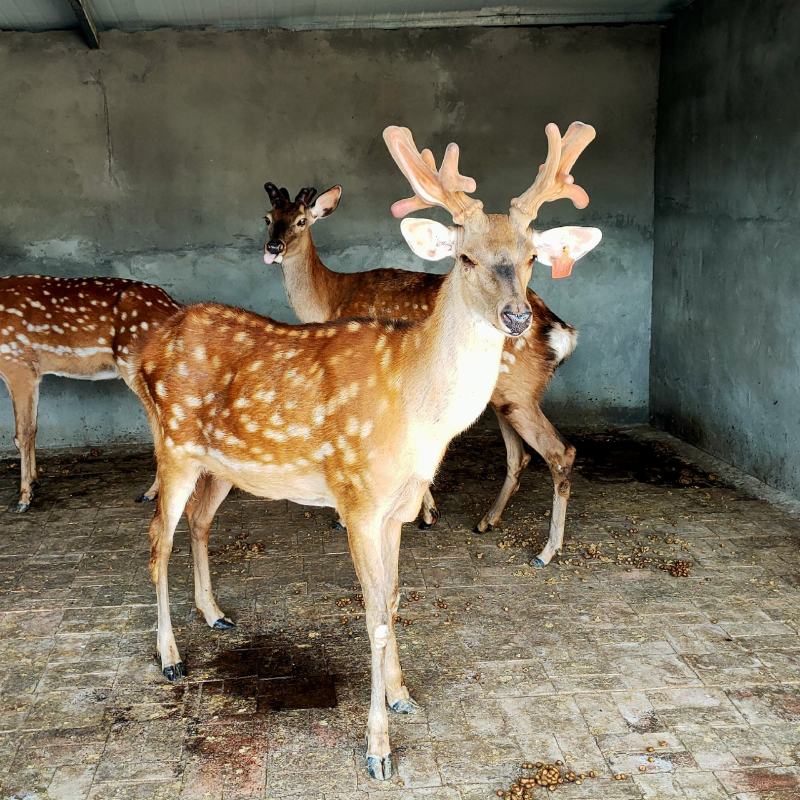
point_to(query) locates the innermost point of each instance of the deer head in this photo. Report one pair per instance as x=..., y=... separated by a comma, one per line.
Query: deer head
x=288, y=221
x=495, y=252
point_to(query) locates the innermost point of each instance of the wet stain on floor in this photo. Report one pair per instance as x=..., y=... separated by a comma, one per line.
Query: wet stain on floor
x=277, y=675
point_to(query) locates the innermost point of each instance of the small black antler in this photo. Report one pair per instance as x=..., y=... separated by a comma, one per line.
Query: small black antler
x=278, y=197
x=306, y=195
x=275, y=195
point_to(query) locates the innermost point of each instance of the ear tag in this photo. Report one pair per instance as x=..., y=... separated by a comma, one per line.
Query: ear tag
x=561, y=265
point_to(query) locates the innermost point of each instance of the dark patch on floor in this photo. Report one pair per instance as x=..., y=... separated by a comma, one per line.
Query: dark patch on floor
x=614, y=457
x=280, y=675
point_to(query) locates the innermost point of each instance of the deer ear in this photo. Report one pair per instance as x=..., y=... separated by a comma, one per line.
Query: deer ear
x=428, y=239
x=326, y=203
x=560, y=248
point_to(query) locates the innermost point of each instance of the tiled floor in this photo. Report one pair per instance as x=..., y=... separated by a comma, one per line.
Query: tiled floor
x=591, y=661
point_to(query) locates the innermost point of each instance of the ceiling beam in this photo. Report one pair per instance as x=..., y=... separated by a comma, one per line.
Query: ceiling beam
x=84, y=17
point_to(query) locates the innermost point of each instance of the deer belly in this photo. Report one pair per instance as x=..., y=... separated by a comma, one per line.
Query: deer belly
x=275, y=482
x=87, y=364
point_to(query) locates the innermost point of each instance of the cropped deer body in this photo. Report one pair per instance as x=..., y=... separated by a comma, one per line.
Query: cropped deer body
x=85, y=328
x=317, y=293
x=354, y=414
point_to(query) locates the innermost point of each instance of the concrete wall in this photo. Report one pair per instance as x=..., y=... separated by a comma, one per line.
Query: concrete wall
x=726, y=294
x=147, y=159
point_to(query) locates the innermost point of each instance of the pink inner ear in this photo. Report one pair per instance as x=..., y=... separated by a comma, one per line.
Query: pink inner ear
x=561, y=266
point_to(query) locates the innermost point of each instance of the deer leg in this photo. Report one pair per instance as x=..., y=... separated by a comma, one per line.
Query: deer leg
x=177, y=485
x=430, y=514
x=150, y=494
x=539, y=433
x=516, y=461
x=365, y=547
x=25, y=399
x=200, y=510
x=397, y=696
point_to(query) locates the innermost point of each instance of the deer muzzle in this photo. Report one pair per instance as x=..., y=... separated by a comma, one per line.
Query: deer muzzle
x=273, y=251
x=516, y=318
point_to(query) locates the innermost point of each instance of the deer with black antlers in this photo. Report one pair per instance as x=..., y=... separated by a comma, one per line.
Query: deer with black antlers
x=529, y=362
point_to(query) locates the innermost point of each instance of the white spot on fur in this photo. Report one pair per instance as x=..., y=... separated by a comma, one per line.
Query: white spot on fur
x=265, y=395
x=298, y=431
x=324, y=450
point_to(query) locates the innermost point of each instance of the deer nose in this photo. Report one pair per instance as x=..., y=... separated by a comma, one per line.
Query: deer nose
x=515, y=320
x=275, y=246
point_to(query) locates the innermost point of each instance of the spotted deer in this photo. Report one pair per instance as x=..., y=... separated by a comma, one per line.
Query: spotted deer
x=354, y=414
x=86, y=328
x=317, y=293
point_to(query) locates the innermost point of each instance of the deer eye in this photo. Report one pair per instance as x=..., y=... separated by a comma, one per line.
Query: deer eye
x=301, y=222
x=467, y=261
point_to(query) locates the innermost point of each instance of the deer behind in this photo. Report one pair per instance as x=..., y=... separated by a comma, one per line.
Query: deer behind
x=85, y=328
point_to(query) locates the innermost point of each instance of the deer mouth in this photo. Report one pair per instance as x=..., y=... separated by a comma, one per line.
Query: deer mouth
x=272, y=258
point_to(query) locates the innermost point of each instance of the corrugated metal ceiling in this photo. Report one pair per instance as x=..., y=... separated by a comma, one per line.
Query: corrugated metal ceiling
x=131, y=15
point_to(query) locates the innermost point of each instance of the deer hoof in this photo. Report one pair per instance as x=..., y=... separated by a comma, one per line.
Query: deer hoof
x=405, y=706
x=483, y=527
x=337, y=525
x=380, y=767
x=537, y=562
x=19, y=508
x=435, y=516
x=223, y=624
x=174, y=671
x=144, y=498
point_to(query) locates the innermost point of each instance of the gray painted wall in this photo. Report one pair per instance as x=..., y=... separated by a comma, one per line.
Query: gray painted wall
x=726, y=294
x=147, y=159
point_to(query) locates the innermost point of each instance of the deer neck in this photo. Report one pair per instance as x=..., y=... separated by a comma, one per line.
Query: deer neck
x=456, y=369
x=310, y=285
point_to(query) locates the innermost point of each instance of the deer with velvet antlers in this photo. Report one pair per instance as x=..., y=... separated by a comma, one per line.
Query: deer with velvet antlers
x=85, y=328
x=354, y=414
x=317, y=294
